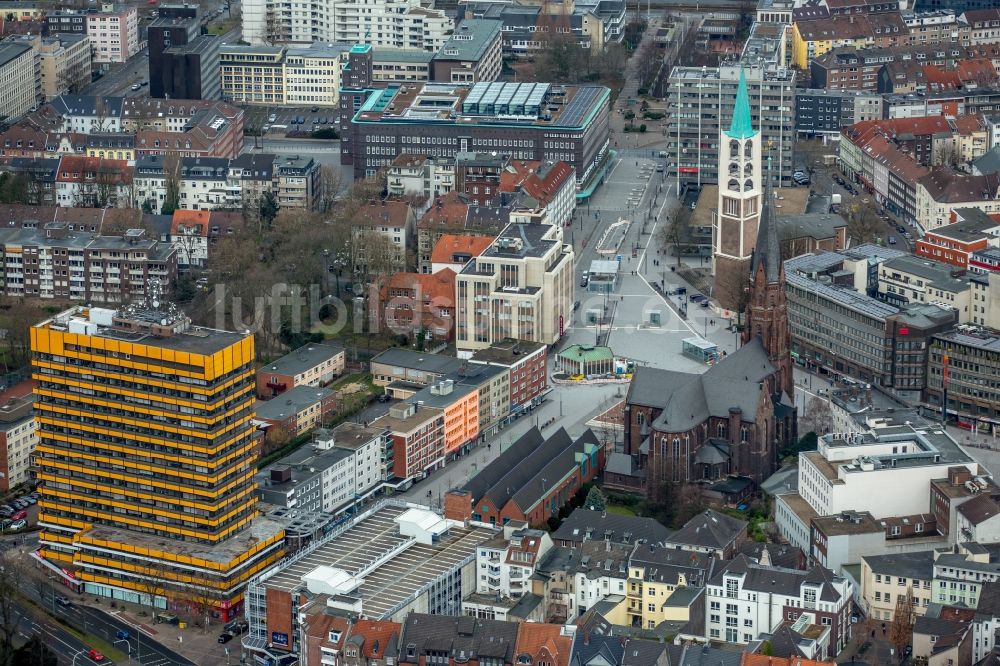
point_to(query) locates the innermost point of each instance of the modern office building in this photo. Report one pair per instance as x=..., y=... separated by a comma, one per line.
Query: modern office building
x=700, y=104
x=820, y=112
x=191, y=71
x=183, y=63
x=146, y=458
x=838, y=327
x=963, y=368
x=393, y=560
x=279, y=75
x=593, y=23
x=521, y=287
x=66, y=21
x=530, y=121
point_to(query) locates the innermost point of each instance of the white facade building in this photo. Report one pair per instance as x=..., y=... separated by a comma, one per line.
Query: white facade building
x=383, y=23
x=747, y=599
x=886, y=471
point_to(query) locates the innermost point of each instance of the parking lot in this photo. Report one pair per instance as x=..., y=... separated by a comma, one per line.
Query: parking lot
x=285, y=120
x=19, y=512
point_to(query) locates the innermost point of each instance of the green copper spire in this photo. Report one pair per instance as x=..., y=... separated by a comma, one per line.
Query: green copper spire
x=742, y=127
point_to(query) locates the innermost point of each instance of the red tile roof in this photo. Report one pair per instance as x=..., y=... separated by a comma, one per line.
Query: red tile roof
x=438, y=286
x=75, y=169
x=764, y=660
x=450, y=244
x=383, y=213
x=536, y=180
x=450, y=211
x=376, y=636
x=190, y=219
x=544, y=642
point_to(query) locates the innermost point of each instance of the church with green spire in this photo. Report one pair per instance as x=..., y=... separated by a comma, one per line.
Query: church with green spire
x=739, y=203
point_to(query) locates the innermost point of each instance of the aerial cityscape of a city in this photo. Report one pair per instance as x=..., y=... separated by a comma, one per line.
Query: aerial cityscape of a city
x=500, y=333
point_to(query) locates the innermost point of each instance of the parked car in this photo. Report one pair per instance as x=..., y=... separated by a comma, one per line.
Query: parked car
x=584, y=281
x=576, y=305
x=300, y=120
x=6, y=511
x=237, y=627
x=18, y=524
x=95, y=655
x=63, y=601
x=385, y=397
x=697, y=298
x=31, y=500
x=225, y=637
x=271, y=118
x=20, y=515
x=314, y=109
x=136, y=86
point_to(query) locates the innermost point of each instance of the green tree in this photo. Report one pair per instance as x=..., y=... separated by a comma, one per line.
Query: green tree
x=268, y=207
x=596, y=500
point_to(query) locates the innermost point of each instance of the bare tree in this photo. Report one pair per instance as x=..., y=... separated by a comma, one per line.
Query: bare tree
x=901, y=629
x=675, y=233
x=11, y=574
x=863, y=223
x=818, y=416
x=330, y=182
x=172, y=183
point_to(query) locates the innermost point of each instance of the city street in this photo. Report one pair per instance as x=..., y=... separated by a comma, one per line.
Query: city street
x=571, y=406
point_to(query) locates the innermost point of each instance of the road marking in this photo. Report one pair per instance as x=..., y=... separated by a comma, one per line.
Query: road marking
x=642, y=256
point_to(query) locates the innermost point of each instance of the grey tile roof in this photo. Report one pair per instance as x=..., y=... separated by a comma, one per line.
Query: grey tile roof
x=462, y=638
x=592, y=650
x=621, y=463
x=785, y=642
x=492, y=474
x=779, y=555
x=979, y=509
x=557, y=460
x=919, y=564
x=666, y=565
x=603, y=525
x=290, y=402
x=703, y=655
x=768, y=251
x=406, y=358
x=710, y=529
x=689, y=399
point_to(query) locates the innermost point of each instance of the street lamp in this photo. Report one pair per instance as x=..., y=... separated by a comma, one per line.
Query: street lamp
x=128, y=647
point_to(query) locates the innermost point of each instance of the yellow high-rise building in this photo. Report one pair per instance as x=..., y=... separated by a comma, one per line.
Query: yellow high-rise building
x=146, y=458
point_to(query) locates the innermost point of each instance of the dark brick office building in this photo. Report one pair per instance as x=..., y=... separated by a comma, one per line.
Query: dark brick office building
x=528, y=121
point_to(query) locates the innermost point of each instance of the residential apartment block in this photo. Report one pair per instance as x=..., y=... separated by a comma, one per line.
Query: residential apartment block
x=18, y=436
x=57, y=262
x=393, y=23
x=114, y=33
x=313, y=364
x=339, y=468
x=746, y=599
x=886, y=578
x=97, y=474
x=297, y=411
x=63, y=61
x=521, y=287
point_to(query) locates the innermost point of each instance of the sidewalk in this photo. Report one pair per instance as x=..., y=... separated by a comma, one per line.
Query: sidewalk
x=197, y=644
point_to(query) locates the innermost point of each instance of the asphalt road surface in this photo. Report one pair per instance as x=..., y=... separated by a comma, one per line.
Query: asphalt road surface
x=96, y=622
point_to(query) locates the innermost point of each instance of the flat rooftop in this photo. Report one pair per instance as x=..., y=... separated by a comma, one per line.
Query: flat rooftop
x=498, y=103
x=192, y=339
x=375, y=535
x=971, y=337
x=260, y=529
x=521, y=240
x=304, y=358
x=290, y=402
